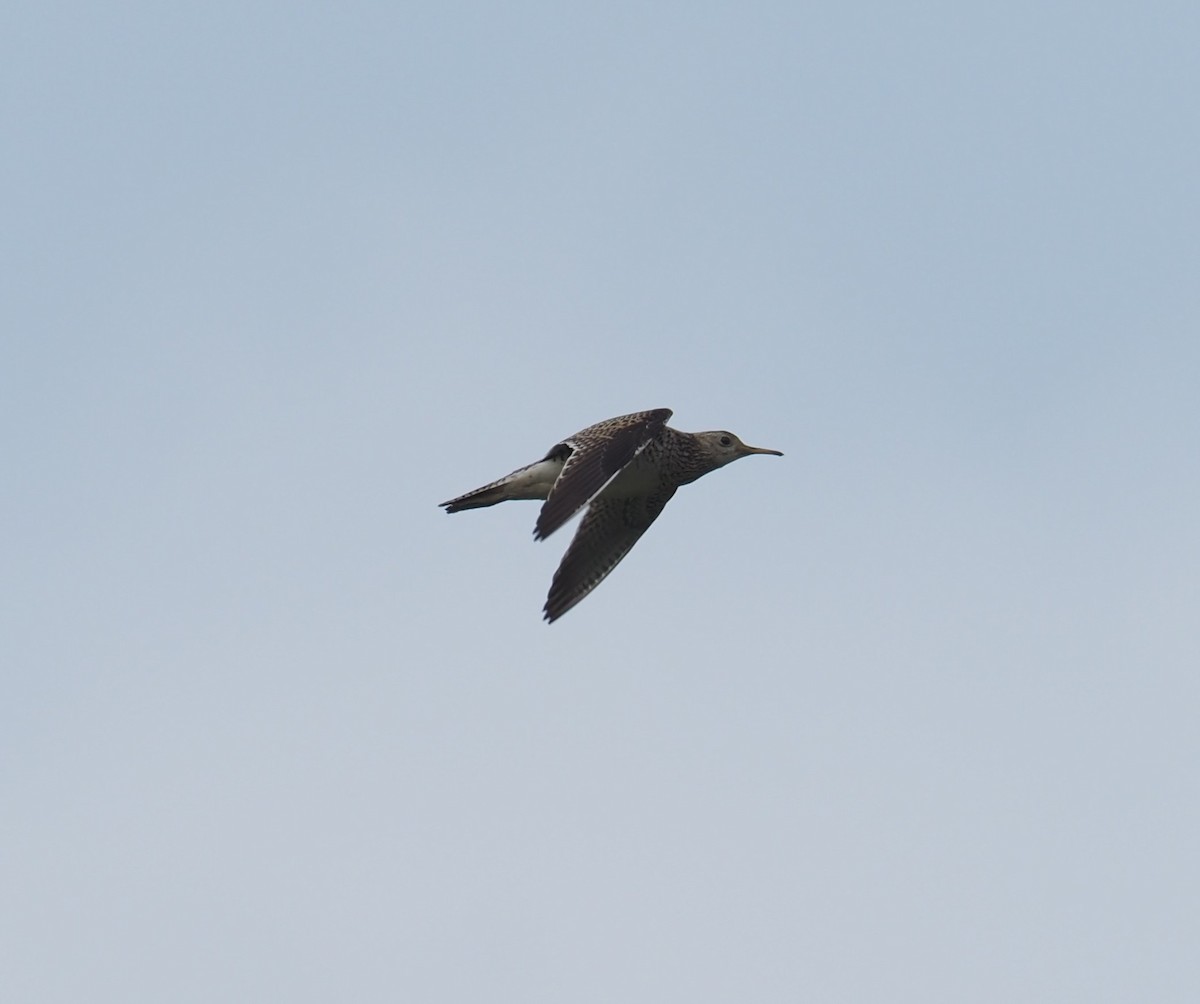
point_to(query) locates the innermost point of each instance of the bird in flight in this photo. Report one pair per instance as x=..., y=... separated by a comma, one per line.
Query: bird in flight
x=624, y=471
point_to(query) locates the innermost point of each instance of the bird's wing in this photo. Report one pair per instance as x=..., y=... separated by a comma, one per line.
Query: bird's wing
x=610, y=528
x=597, y=454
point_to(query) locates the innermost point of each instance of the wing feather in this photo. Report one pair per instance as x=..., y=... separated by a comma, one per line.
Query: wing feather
x=598, y=454
x=606, y=534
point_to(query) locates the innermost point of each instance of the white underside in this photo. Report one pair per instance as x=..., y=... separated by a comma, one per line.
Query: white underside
x=535, y=481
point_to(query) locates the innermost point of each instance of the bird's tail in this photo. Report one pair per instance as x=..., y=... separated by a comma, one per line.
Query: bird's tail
x=479, y=498
x=531, y=482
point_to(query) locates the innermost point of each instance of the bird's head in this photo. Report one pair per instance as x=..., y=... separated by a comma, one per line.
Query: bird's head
x=725, y=447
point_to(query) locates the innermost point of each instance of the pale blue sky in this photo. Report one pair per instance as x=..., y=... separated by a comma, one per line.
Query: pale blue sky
x=909, y=715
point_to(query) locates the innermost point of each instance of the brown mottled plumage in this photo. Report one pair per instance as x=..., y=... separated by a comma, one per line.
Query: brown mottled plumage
x=624, y=470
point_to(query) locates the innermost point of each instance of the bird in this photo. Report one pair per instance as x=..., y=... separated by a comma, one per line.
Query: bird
x=623, y=470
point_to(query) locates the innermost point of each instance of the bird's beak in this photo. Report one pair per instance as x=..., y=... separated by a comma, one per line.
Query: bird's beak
x=759, y=449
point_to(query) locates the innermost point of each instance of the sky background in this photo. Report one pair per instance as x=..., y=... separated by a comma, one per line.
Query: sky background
x=908, y=715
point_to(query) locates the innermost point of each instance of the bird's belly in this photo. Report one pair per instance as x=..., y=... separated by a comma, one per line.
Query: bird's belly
x=534, y=481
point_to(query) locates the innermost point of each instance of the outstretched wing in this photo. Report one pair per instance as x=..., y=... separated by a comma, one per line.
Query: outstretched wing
x=597, y=455
x=606, y=534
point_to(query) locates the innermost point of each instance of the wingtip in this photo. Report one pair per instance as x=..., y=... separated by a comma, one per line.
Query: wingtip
x=551, y=614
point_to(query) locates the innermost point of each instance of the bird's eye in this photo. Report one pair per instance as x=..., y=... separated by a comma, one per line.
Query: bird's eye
x=726, y=441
